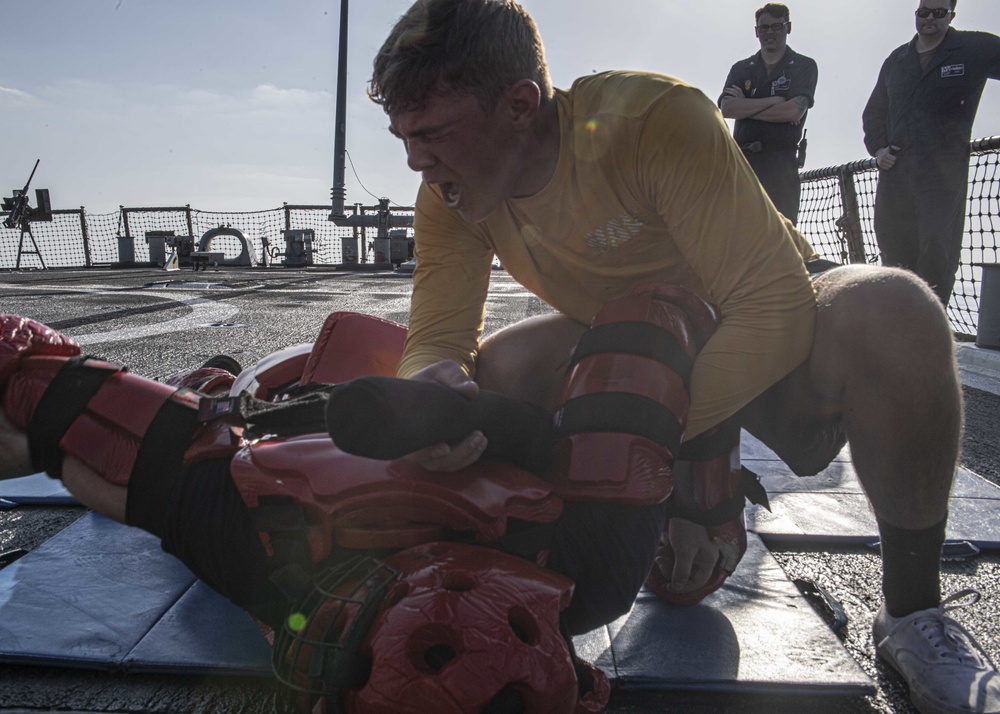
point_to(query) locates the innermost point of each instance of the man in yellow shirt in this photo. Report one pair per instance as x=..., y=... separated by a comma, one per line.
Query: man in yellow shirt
x=631, y=178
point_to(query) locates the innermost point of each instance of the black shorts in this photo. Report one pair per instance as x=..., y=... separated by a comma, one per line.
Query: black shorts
x=787, y=419
x=200, y=518
x=607, y=549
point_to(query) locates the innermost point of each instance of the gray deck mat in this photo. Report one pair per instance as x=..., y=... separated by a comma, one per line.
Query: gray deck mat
x=756, y=634
x=830, y=508
x=102, y=595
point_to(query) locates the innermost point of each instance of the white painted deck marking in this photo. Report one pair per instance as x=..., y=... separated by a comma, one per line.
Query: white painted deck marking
x=203, y=311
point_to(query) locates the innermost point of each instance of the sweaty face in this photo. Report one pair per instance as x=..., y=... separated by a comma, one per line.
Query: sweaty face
x=460, y=149
x=931, y=26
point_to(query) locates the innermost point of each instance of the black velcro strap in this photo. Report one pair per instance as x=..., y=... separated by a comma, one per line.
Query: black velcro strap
x=65, y=397
x=635, y=337
x=168, y=436
x=158, y=462
x=301, y=415
x=620, y=412
x=706, y=448
x=750, y=489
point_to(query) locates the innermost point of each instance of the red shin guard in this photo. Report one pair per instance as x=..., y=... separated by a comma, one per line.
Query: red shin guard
x=624, y=405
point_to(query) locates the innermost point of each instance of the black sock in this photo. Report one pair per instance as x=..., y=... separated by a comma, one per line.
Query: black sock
x=911, y=567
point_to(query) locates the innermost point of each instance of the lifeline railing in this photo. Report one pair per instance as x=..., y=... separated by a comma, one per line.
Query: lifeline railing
x=75, y=238
x=836, y=213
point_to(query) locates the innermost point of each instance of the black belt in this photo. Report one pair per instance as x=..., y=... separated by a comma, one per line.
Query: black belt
x=756, y=147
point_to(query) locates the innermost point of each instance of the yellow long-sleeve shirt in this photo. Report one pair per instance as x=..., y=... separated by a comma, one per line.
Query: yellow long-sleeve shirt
x=649, y=187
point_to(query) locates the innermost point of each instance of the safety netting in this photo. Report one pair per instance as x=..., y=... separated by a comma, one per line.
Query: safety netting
x=837, y=210
x=836, y=215
x=128, y=237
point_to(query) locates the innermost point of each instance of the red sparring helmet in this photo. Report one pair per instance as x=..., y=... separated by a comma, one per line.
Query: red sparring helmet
x=315, y=652
x=460, y=629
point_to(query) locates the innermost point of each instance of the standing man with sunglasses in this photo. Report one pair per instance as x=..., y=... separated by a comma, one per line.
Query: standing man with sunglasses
x=768, y=95
x=917, y=124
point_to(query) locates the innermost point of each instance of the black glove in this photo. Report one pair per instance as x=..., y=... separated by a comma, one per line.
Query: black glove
x=387, y=418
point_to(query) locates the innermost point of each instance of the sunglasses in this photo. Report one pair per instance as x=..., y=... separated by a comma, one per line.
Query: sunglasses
x=937, y=12
x=776, y=27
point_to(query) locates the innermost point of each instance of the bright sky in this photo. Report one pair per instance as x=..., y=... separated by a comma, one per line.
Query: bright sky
x=229, y=104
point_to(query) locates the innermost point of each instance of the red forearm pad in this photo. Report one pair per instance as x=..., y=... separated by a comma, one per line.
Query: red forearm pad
x=349, y=345
x=624, y=404
x=107, y=433
x=353, y=345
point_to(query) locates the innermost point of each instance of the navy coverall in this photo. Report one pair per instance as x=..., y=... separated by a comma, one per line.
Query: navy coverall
x=928, y=113
x=771, y=147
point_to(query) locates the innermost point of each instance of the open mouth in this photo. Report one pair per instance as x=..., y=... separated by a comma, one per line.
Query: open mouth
x=450, y=195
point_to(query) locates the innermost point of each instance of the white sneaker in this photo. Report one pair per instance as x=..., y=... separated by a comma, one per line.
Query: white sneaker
x=946, y=669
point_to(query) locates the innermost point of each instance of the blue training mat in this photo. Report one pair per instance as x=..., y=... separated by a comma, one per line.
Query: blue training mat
x=202, y=632
x=100, y=595
x=103, y=595
x=37, y=489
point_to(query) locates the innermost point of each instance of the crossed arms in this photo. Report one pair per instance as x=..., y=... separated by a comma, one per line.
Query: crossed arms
x=772, y=109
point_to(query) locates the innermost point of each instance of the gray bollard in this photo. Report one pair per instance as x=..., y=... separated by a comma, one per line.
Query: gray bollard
x=988, y=330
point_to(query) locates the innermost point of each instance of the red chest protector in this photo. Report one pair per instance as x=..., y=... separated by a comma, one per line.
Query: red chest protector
x=353, y=502
x=305, y=483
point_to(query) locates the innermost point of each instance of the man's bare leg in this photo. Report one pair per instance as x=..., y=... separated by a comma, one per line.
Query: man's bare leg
x=79, y=479
x=883, y=356
x=883, y=363
x=15, y=460
x=882, y=369
x=528, y=360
